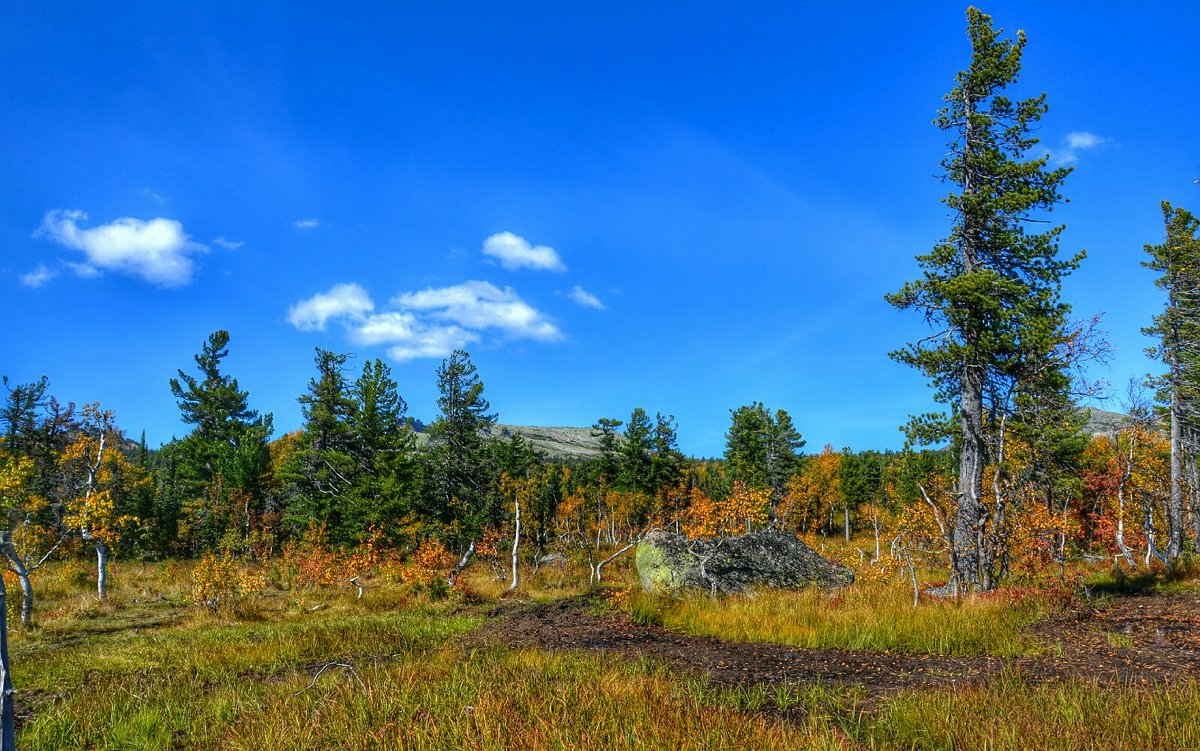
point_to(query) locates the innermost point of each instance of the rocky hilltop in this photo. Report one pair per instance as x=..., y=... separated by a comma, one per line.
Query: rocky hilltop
x=556, y=443
x=578, y=444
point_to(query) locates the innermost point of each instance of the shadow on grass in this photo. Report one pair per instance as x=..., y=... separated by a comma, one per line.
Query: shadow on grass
x=1156, y=579
x=98, y=622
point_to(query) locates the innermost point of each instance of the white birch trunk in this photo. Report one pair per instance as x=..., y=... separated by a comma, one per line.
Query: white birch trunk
x=516, y=576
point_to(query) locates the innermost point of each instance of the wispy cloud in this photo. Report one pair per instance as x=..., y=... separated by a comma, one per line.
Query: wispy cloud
x=153, y=196
x=82, y=270
x=38, y=277
x=431, y=322
x=306, y=223
x=515, y=252
x=1074, y=143
x=343, y=301
x=228, y=244
x=157, y=250
x=582, y=297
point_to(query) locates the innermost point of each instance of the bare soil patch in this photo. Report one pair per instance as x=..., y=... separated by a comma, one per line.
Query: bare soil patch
x=1134, y=641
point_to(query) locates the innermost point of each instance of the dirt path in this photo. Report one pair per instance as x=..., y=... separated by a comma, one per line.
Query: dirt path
x=1135, y=641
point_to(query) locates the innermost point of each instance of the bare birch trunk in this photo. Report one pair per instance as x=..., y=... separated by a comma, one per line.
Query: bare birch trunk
x=1148, y=527
x=19, y=568
x=8, y=718
x=875, y=526
x=1175, y=504
x=462, y=564
x=1126, y=473
x=101, y=570
x=516, y=576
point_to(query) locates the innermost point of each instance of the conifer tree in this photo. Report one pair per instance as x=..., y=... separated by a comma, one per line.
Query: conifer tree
x=637, y=451
x=762, y=448
x=1177, y=329
x=323, y=470
x=666, y=463
x=218, y=469
x=991, y=290
x=384, y=452
x=746, y=444
x=461, y=489
x=609, y=461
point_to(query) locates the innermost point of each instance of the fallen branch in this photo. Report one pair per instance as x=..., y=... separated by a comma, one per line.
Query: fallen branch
x=346, y=668
x=596, y=570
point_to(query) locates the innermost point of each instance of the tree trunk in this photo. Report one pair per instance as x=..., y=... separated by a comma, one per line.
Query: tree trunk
x=846, y=510
x=1148, y=527
x=516, y=576
x=967, y=551
x=8, y=724
x=1175, y=503
x=875, y=526
x=101, y=570
x=462, y=564
x=1193, y=475
x=22, y=571
x=1126, y=472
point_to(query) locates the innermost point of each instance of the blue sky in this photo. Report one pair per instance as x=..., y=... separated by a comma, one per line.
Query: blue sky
x=681, y=207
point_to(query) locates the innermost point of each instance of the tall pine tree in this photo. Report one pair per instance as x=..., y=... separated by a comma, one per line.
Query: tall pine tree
x=218, y=469
x=1177, y=329
x=762, y=448
x=322, y=471
x=461, y=484
x=991, y=289
x=384, y=454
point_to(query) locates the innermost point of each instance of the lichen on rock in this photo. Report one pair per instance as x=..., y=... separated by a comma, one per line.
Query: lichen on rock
x=669, y=563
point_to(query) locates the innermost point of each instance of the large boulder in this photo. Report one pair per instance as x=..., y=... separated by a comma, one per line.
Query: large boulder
x=668, y=563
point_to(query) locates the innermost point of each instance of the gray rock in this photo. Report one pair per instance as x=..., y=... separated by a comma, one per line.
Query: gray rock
x=669, y=562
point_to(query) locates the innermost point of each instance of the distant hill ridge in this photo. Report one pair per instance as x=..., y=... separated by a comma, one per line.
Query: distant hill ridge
x=568, y=443
x=561, y=443
x=1103, y=421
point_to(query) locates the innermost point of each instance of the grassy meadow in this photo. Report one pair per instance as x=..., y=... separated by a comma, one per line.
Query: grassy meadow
x=316, y=668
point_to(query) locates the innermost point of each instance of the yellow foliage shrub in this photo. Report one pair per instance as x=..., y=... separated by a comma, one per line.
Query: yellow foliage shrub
x=218, y=582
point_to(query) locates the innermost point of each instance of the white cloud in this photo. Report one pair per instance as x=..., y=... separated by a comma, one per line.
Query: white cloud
x=429, y=323
x=306, y=223
x=382, y=328
x=153, y=196
x=157, y=250
x=1083, y=140
x=342, y=301
x=410, y=338
x=228, y=244
x=82, y=270
x=37, y=277
x=482, y=305
x=1073, y=144
x=437, y=341
x=515, y=252
x=582, y=297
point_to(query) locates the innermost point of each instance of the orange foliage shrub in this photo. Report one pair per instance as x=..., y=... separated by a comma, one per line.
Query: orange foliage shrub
x=429, y=562
x=739, y=512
